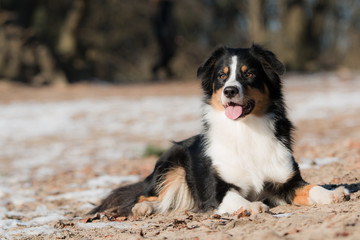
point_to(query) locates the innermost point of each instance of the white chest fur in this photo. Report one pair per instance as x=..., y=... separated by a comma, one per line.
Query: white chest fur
x=246, y=152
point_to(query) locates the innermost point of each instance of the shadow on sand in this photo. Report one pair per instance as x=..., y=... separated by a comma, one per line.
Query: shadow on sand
x=353, y=187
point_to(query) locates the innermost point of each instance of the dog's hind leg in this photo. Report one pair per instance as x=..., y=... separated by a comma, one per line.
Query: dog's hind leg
x=145, y=206
x=173, y=195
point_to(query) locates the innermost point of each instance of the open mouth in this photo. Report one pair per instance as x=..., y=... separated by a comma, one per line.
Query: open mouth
x=234, y=110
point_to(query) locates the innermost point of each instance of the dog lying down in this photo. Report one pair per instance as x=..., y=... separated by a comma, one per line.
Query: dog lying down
x=243, y=157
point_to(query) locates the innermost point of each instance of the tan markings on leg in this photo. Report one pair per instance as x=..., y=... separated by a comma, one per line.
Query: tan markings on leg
x=173, y=177
x=149, y=199
x=261, y=100
x=302, y=195
x=174, y=193
x=216, y=100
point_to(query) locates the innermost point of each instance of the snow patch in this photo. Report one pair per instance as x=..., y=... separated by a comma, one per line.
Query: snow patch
x=44, y=220
x=109, y=134
x=4, y=190
x=120, y=225
x=330, y=96
x=44, y=172
x=317, y=162
x=106, y=180
x=8, y=223
x=86, y=207
x=33, y=231
x=281, y=215
x=19, y=200
x=82, y=196
x=323, y=104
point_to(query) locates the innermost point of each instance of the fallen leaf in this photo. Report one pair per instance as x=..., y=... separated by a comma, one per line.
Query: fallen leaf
x=120, y=219
x=141, y=233
x=242, y=213
x=354, y=144
x=342, y=234
x=97, y=216
x=179, y=223
x=217, y=216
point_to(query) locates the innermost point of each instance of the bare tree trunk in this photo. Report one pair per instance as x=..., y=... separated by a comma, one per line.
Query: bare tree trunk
x=294, y=33
x=67, y=43
x=23, y=57
x=257, y=21
x=11, y=49
x=351, y=58
x=48, y=70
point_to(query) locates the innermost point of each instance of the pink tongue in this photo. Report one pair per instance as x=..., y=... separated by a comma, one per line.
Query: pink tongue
x=233, y=112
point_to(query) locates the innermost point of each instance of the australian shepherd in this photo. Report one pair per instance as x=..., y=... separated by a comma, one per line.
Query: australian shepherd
x=243, y=157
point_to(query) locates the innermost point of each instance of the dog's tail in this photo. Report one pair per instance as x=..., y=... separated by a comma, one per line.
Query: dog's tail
x=122, y=199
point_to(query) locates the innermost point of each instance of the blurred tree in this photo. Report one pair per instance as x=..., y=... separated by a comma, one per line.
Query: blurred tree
x=23, y=55
x=165, y=31
x=295, y=33
x=257, y=23
x=67, y=41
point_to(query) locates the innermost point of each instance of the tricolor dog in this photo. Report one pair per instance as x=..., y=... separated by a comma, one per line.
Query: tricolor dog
x=243, y=157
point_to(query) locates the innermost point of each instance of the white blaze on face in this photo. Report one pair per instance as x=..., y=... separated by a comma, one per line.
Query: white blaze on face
x=232, y=79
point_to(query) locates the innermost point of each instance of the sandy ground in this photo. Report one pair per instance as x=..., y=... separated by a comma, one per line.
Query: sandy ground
x=64, y=149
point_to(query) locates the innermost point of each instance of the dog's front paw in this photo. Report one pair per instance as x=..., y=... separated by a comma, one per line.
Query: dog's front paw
x=340, y=194
x=320, y=195
x=257, y=207
x=143, y=209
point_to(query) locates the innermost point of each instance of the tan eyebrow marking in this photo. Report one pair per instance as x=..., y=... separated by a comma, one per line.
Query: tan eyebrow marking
x=244, y=68
x=226, y=70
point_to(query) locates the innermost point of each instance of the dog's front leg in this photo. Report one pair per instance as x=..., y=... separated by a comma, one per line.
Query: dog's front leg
x=233, y=201
x=313, y=194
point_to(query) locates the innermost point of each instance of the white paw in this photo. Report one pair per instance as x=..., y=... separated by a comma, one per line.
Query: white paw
x=340, y=194
x=320, y=195
x=143, y=209
x=257, y=207
x=233, y=203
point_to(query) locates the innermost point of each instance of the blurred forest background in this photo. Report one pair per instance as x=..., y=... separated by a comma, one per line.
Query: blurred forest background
x=45, y=42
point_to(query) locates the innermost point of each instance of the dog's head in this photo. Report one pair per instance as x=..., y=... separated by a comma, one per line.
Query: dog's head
x=241, y=81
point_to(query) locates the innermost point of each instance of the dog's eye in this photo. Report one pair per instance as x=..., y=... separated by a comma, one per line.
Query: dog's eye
x=249, y=75
x=222, y=76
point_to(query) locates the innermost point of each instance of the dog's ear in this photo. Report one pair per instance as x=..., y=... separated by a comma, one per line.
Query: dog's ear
x=205, y=71
x=268, y=59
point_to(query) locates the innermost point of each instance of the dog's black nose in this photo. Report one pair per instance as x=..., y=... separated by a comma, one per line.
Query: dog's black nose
x=230, y=92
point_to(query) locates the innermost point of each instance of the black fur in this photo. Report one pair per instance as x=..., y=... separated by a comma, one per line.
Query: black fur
x=206, y=186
